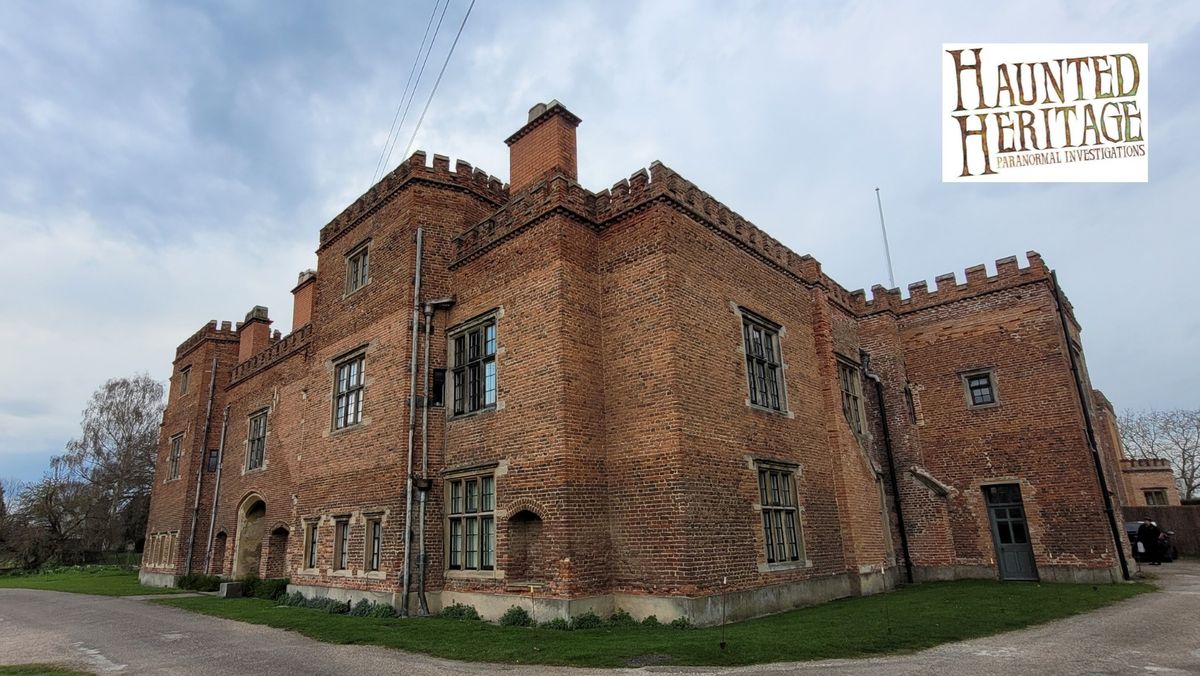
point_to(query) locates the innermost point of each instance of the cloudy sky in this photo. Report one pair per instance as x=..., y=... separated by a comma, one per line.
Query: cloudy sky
x=166, y=163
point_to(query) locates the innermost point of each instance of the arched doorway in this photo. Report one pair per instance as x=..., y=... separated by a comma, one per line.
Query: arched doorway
x=526, y=549
x=277, y=552
x=217, y=566
x=251, y=524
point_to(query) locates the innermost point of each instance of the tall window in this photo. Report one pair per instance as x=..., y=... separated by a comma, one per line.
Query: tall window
x=310, y=545
x=185, y=374
x=348, y=392
x=780, y=518
x=341, y=554
x=762, y=361
x=374, y=543
x=357, y=267
x=214, y=459
x=981, y=389
x=173, y=458
x=1155, y=497
x=257, y=445
x=472, y=536
x=474, y=353
x=852, y=405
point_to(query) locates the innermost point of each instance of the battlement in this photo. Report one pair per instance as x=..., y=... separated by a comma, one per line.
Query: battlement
x=462, y=177
x=279, y=348
x=1145, y=465
x=226, y=332
x=977, y=282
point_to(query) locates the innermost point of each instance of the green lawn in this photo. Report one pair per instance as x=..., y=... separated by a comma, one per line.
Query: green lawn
x=40, y=670
x=906, y=620
x=105, y=581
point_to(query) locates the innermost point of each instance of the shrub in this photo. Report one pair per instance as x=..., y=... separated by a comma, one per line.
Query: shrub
x=651, y=621
x=270, y=590
x=328, y=606
x=381, y=610
x=294, y=599
x=557, y=623
x=460, y=611
x=621, y=618
x=588, y=620
x=199, y=582
x=361, y=609
x=516, y=616
x=681, y=623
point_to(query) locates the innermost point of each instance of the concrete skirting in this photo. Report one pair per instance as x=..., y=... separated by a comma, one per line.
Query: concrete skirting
x=955, y=572
x=1045, y=573
x=341, y=594
x=150, y=579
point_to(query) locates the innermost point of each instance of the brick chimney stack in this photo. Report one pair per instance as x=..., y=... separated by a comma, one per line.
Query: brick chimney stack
x=543, y=147
x=254, y=334
x=302, y=299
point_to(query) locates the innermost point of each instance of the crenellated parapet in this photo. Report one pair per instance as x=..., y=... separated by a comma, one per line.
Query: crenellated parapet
x=280, y=348
x=1009, y=273
x=461, y=177
x=226, y=332
x=1145, y=465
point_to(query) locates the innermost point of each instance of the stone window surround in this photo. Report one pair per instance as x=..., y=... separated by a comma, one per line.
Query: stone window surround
x=361, y=250
x=965, y=378
x=756, y=508
x=844, y=362
x=360, y=352
x=173, y=460
x=496, y=315
x=352, y=519
x=498, y=470
x=741, y=313
x=265, y=412
x=185, y=376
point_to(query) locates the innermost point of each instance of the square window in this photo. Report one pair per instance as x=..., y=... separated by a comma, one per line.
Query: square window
x=1155, y=497
x=471, y=534
x=348, y=392
x=760, y=339
x=358, y=263
x=981, y=389
x=473, y=377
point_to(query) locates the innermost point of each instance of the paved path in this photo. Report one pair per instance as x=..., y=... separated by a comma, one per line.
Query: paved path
x=1151, y=634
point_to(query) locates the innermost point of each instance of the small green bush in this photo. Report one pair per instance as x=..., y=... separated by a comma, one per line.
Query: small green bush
x=199, y=582
x=516, y=616
x=294, y=599
x=361, y=609
x=681, y=623
x=328, y=606
x=588, y=620
x=557, y=623
x=460, y=611
x=381, y=610
x=270, y=589
x=621, y=618
x=651, y=621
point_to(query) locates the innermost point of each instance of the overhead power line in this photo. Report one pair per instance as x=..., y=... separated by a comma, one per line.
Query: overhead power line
x=438, y=81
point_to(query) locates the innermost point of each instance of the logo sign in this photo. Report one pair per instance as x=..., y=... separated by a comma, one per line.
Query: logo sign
x=1018, y=113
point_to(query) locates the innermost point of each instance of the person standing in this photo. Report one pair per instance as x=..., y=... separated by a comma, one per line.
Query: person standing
x=1147, y=541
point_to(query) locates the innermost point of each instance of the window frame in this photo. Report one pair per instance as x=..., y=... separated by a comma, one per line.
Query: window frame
x=764, y=372
x=1159, y=493
x=358, y=275
x=780, y=513
x=473, y=373
x=185, y=377
x=355, y=392
x=341, y=543
x=174, y=456
x=471, y=515
x=311, y=540
x=853, y=401
x=251, y=440
x=993, y=387
x=373, y=538
x=212, y=460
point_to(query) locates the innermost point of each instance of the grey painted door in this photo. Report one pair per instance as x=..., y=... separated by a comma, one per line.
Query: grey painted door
x=1014, y=552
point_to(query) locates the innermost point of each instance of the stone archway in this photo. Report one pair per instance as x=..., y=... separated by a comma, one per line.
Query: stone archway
x=277, y=552
x=247, y=555
x=527, y=550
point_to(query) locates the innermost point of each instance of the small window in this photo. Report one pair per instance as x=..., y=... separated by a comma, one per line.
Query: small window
x=981, y=389
x=348, y=392
x=782, y=536
x=472, y=523
x=358, y=263
x=310, y=545
x=185, y=375
x=214, y=459
x=1155, y=497
x=852, y=400
x=256, y=450
x=473, y=350
x=437, y=389
x=341, y=553
x=173, y=458
x=374, y=543
x=910, y=402
x=761, y=341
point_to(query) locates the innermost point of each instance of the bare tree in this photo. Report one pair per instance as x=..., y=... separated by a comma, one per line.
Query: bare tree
x=113, y=459
x=1173, y=435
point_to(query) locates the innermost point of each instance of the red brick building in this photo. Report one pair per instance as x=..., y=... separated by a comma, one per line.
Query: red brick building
x=629, y=398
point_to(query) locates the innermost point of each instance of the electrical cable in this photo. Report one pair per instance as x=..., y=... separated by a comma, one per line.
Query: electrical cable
x=439, y=78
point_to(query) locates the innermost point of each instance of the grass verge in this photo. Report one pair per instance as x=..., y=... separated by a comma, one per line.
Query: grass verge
x=910, y=619
x=40, y=670
x=104, y=581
